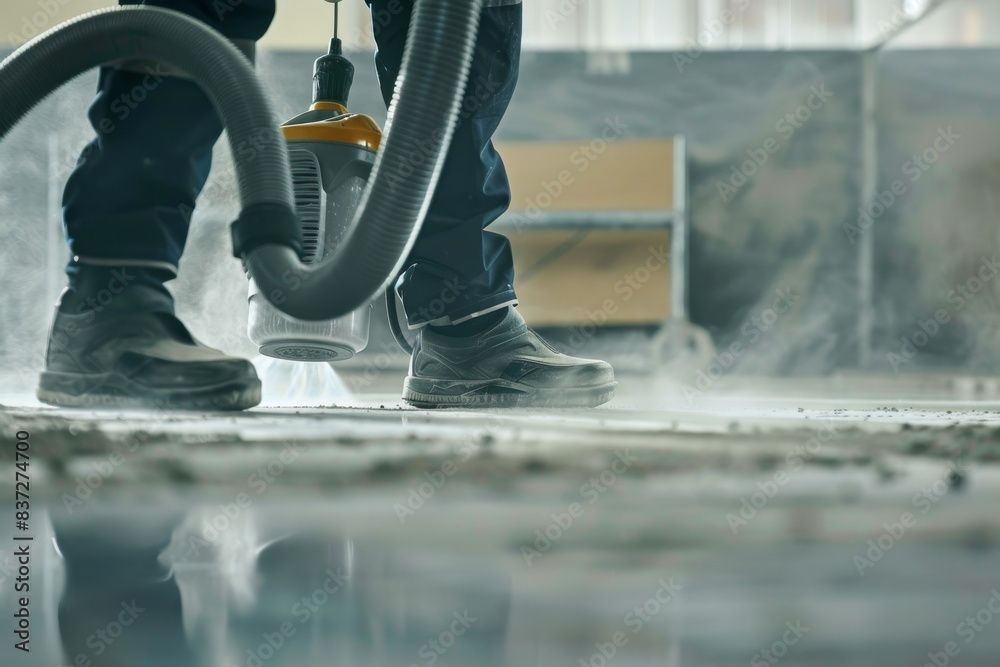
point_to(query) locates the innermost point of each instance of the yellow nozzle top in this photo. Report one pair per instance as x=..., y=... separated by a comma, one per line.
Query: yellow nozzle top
x=344, y=128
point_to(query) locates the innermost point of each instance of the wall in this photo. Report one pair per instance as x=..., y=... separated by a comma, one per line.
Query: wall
x=937, y=297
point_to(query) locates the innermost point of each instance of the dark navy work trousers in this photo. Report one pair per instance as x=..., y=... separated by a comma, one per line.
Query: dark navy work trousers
x=130, y=199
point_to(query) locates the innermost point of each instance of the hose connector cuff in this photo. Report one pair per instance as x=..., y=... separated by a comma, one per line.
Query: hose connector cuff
x=266, y=224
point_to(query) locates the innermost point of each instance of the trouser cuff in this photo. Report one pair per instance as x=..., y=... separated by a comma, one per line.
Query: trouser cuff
x=420, y=318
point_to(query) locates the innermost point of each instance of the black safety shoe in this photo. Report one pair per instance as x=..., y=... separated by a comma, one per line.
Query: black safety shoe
x=132, y=356
x=506, y=366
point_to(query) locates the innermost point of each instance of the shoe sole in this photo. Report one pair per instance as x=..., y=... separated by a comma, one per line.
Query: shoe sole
x=431, y=394
x=111, y=390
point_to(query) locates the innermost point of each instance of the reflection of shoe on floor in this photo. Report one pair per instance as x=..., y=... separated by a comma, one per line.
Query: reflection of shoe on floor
x=506, y=366
x=135, y=353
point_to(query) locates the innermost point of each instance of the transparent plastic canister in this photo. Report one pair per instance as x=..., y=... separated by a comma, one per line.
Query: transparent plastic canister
x=329, y=181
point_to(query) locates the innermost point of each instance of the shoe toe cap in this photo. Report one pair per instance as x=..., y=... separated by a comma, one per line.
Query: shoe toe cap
x=571, y=373
x=597, y=373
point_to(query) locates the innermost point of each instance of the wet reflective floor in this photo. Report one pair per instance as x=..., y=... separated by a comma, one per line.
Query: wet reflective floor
x=753, y=531
x=267, y=593
x=144, y=588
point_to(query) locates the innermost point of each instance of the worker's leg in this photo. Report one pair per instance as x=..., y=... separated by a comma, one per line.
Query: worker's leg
x=130, y=199
x=477, y=351
x=456, y=269
x=115, y=340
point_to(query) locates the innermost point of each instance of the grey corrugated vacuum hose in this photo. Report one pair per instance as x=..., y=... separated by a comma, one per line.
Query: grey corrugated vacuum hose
x=421, y=122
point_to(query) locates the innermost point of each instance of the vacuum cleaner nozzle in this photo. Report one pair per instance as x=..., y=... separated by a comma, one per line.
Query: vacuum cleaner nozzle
x=332, y=152
x=333, y=75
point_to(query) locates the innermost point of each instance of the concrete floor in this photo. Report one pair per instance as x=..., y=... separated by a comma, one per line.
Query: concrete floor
x=766, y=510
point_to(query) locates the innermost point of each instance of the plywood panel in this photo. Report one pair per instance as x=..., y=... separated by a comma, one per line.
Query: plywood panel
x=573, y=278
x=582, y=176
